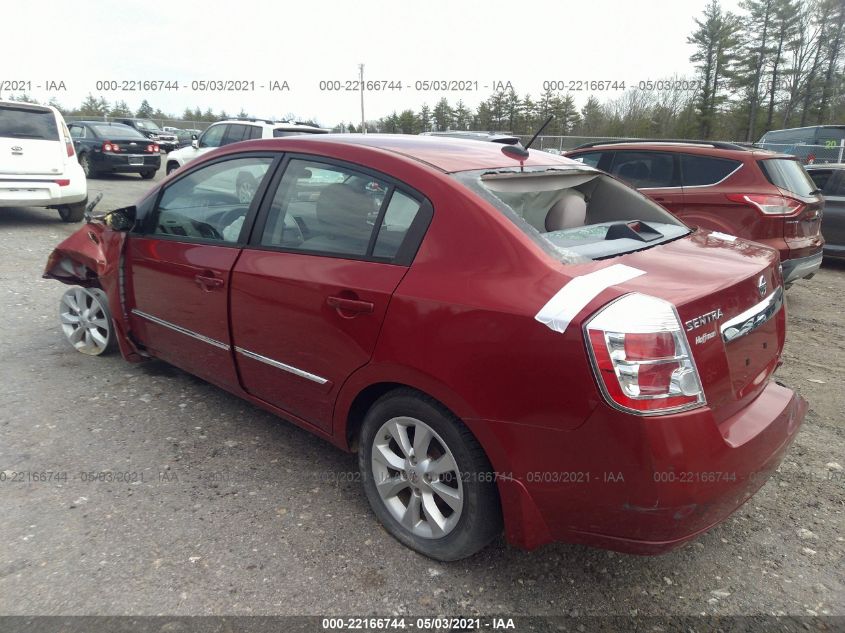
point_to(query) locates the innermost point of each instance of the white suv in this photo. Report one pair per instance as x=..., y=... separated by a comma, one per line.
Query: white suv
x=234, y=130
x=38, y=166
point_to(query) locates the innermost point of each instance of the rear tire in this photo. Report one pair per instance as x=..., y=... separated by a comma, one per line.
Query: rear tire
x=87, y=168
x=148, y=174
x=427, y=478
x=73, y=212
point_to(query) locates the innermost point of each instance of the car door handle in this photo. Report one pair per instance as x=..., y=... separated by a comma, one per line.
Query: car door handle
x=208, y=283
x=355, y=306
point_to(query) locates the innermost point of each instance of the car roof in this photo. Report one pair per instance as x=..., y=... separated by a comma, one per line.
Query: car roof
x=447, y=154
x=737, y=152
x=86, y=122
x=276, y=125
x=24, y=105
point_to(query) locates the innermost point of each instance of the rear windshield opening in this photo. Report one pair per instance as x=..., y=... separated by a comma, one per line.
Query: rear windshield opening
x=789, y=175
x=576, y=214
x=18, y=122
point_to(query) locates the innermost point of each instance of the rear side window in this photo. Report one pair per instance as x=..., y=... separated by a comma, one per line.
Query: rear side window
x=645, y=169
x=698, y=171
x=324, y=208
x=788, y=175
x=235, y=133
x=28, y=123
x=398, y=218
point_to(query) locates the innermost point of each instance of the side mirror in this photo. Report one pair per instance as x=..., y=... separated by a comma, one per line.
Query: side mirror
x=121, y=219
x=195, y=142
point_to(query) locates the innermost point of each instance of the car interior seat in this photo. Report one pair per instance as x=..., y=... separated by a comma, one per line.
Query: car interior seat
x=569, y=211
x=342, y=214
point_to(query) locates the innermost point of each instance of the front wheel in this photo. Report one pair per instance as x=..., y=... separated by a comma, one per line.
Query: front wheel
x=171, y=167
x=86, y=321
x=426, y=477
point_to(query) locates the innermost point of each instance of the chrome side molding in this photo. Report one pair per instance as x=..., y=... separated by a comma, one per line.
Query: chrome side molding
x=181, y=330
x=279, y=365
x=754, y=317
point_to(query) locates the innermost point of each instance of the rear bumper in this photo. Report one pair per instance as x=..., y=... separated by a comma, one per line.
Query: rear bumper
x=801, y=267
x=639, y=485
x=42, y=193
x=121, y=163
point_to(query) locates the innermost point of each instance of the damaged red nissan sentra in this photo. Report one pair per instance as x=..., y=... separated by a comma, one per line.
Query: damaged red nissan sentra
x=506, y=338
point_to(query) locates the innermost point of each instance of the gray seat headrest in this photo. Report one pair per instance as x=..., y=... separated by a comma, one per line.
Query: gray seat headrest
x=568, y=212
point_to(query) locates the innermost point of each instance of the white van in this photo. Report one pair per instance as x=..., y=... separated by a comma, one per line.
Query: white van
x=38, y=165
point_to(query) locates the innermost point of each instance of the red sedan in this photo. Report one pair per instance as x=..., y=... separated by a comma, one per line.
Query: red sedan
x=506, y=338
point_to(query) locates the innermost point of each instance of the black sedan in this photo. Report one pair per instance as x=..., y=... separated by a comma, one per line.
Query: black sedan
x=830, y=179
x=114, y=148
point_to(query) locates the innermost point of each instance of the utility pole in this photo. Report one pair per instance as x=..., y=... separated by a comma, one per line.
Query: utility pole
x=361, y=78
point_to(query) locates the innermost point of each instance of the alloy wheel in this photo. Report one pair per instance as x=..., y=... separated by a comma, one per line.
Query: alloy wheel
x=85, y=321
x=417, y=477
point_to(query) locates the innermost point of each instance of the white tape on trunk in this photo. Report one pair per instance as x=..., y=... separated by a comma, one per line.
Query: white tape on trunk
x=574, y=296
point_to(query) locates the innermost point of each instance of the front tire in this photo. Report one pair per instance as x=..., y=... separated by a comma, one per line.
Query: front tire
x=86, y=321
x=73, y=212
x=171, y=167
x=426, y=477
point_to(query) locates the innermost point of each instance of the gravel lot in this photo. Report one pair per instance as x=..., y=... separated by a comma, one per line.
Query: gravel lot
x=242, y=513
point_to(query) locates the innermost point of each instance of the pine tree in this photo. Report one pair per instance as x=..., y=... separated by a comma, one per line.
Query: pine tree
x=145, y=111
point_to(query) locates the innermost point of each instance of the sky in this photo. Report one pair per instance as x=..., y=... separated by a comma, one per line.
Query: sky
x=296, y=46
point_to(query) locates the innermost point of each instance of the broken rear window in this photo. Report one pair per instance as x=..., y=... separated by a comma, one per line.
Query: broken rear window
x=575, y=214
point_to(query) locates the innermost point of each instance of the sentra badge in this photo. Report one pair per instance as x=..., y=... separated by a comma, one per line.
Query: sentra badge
x=703, y=319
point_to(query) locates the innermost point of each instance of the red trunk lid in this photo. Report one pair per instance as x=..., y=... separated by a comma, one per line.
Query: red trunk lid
x=730, y=302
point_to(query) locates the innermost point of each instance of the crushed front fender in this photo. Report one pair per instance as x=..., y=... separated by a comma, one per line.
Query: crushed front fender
x=92, y=257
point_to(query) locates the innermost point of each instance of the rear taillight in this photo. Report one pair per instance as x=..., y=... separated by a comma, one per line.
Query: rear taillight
x=641, y=357
x=69, y=147
x=153, y=148
x=62, y=182
x=108, y=146
x=768, y=205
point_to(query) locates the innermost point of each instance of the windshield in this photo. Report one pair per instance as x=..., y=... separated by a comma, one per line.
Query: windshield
x=575, y=214
x=117, y=131
x=28, y=123
x=788, y=174
x=146, y=124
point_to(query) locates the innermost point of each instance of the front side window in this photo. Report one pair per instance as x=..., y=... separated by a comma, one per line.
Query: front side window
x=213, y=136
x=77, y=131
x=211, y=203
x=644, y=169
x=700, y=171
x=324, y=208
